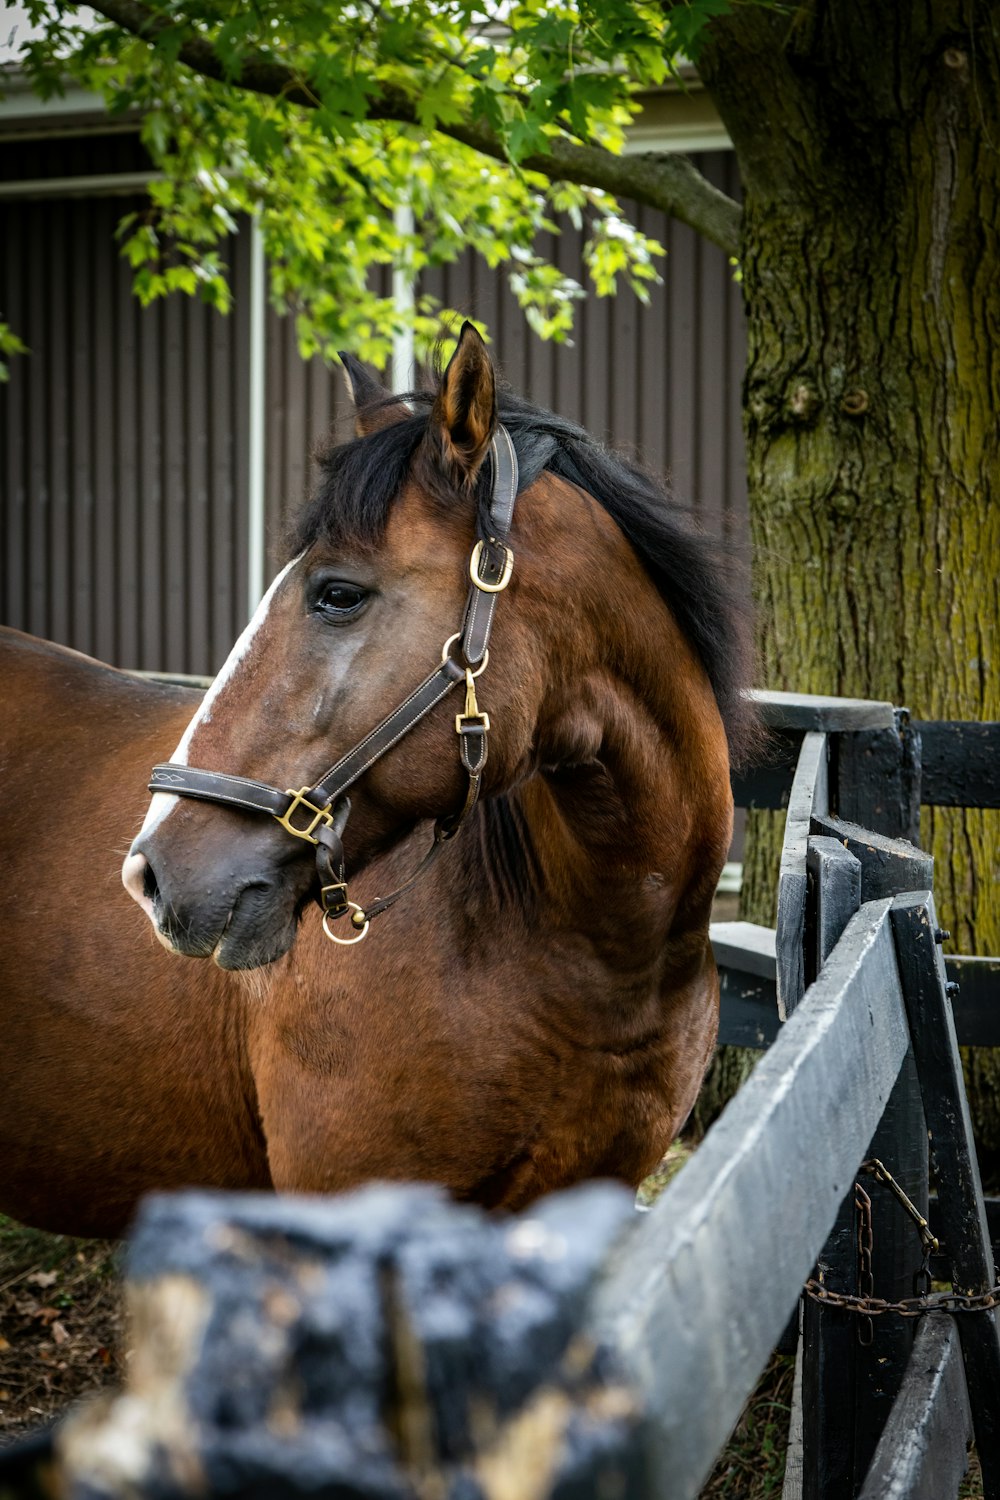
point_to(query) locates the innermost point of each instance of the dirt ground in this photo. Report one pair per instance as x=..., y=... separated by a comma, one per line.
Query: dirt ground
x=61, y=1324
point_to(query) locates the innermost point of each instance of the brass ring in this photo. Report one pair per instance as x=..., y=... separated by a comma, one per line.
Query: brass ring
x=347, y=942
x=447, y=652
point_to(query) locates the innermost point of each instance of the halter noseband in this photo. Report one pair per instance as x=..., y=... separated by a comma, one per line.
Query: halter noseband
x=318, y=814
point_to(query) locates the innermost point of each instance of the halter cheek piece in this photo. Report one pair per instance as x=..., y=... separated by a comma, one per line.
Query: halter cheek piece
x=318, y=814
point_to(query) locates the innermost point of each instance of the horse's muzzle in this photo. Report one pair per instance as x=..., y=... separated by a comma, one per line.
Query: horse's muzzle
x=241, y=925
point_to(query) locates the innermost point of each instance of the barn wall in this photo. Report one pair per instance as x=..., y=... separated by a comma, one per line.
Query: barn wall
x=124, y=435
x=123, y=449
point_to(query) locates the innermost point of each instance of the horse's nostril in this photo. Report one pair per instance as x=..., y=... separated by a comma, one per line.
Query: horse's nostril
x=140, y=882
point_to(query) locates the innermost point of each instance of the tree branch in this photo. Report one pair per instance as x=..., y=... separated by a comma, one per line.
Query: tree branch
x=658, y=179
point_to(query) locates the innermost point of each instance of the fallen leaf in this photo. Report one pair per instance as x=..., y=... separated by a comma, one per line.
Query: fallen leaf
x=4, y=1344
x=43, y=1278
x=46, y=1314
x=59, y=1332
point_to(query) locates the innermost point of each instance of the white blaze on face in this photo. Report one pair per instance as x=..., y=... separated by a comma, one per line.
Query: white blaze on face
x=163, y=803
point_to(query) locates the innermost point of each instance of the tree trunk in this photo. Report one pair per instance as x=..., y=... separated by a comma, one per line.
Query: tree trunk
x=868, y=138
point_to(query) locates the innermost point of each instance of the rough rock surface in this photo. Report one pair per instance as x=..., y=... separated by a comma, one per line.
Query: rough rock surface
x=388, y=1343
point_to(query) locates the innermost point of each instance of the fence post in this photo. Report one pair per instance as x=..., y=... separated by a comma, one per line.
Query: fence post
x=875, y=783
x=960, y=1194
x=829, y=1339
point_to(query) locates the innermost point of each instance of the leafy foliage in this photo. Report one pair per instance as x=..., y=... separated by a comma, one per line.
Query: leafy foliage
x=9, y=344
x=326, y=118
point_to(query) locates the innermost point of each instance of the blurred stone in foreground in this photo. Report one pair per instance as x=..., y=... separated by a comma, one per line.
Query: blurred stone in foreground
x=388, y=1343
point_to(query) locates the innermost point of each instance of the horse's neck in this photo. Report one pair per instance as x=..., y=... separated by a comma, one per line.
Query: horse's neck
x=621, y=834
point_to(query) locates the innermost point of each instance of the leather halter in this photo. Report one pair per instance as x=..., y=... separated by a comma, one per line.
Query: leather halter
x=318, y=814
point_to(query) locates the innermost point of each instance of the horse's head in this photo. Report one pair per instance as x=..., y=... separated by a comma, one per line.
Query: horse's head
x=611, y=653
x=350, y=626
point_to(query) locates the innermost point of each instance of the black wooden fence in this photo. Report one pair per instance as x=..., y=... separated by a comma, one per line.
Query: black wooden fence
x=390, y=1344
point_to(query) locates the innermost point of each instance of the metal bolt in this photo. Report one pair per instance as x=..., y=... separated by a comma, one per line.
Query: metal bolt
x=941, y=934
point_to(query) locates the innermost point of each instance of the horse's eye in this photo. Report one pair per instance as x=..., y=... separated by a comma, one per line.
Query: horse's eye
x=337, y=600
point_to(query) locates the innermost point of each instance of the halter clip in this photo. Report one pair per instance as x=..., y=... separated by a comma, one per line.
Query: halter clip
x=473, y=718
x=320, y=815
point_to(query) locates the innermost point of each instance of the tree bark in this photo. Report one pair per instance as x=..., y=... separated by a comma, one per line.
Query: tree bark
x=868, y=138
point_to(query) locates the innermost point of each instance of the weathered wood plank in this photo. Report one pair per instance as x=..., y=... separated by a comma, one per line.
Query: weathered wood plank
x=748, y=1011
x=748, y=1006
x=829, y=1336
x=921, y=1454
x=809, y=798
x=749, y=1016
x=976, y=1006
x=875, y=778
x=888, y=865
x=940, y=1263
x=744, y=953
x=744, y=946
x=836, y=875
x=683, y=1299
x=385, y=1344
x=813, y=711
x=791, y=1488
x=960, y=1194
x=897, y=1256
x=959, y=766
x=961, y=763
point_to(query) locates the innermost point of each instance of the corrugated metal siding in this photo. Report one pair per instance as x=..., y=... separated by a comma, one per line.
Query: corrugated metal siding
x=307, y=404
x=124, y=447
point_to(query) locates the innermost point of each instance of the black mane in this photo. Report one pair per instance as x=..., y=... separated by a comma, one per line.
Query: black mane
x=695, y=574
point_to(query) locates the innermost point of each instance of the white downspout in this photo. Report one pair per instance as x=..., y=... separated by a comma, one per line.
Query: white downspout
x=256, y=519
x=402, y=368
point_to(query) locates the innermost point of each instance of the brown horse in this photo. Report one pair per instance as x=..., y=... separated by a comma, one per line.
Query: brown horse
x=540, y=1007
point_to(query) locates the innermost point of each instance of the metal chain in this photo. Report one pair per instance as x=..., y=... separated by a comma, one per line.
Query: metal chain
x=865, y=1303
x=866, y=1277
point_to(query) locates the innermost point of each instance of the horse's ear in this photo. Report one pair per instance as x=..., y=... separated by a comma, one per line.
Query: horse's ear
x=464, y=415
x=374, y=407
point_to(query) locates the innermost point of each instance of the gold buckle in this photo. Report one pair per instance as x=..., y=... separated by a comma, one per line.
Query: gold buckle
x=508, y=568
x=320, y=815
x=333, y=899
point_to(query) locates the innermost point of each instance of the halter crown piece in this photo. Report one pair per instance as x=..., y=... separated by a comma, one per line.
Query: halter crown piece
x=318, y=814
